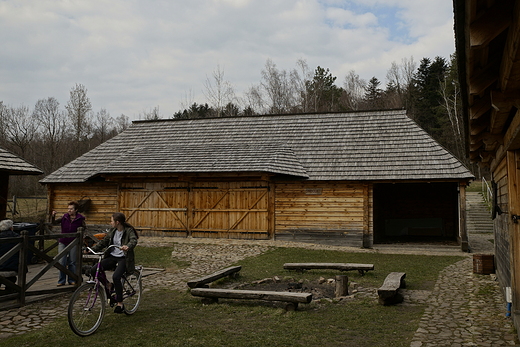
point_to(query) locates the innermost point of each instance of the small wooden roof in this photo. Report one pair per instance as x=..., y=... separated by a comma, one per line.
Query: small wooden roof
x=487, y=34
x=14, y=165
x=376, y=145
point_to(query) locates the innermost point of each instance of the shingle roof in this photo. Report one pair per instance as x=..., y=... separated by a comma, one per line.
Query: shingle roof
x=375, y=145
x=14, y=165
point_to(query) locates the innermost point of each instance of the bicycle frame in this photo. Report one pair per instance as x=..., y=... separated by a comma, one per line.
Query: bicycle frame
x=88, y=303
x=100, y=276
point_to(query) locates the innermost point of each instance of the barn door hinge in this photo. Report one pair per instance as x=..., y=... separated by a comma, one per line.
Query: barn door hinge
x=515, y=218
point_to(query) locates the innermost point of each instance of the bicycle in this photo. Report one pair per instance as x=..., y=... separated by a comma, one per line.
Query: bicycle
x=88, y=303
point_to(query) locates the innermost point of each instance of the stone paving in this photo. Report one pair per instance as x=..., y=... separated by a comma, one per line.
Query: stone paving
x=464, y=309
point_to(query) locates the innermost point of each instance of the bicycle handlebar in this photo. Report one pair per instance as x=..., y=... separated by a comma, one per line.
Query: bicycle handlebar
x=100, y=253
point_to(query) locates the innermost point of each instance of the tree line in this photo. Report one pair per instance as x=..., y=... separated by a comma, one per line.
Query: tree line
x=49, y=136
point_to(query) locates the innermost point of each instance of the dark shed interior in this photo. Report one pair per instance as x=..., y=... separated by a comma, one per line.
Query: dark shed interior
x=410, y=212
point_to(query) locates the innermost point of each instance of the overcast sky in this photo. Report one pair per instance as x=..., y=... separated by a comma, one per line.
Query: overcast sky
x=134, y=55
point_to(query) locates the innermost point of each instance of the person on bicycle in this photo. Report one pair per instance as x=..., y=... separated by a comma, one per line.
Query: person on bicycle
x=121, y=258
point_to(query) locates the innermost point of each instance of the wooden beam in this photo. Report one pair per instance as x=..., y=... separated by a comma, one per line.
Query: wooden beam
x=512, y=137
x=480, y=107
x=495, y=20
x=511, y=48
x=482, y=79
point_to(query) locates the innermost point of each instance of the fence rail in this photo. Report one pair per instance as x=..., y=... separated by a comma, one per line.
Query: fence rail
x=24, y=245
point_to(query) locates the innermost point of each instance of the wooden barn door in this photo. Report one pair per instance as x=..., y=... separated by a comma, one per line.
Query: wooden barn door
x=229, y=210
x=156, y=208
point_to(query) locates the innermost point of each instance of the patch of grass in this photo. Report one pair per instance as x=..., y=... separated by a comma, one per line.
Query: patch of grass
x=168, y=318
x=486, y=290
x=475, y=186
x=421, y=270
x=173, y=318
x=158, y=257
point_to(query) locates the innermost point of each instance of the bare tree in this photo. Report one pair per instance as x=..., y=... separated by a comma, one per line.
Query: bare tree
x=79, y=111
x=278, y=88
x=104, y=125
x=401, y=78
x=53, y=129
x=3, y=124
x=299, y=80
x=20, y=128
x=452, y=105
x=153, y=114
x=219, y=92
x=355, y=89
x=254, y=99
x=122, y=123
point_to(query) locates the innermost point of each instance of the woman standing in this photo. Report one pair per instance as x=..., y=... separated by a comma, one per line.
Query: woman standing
x=70, y=222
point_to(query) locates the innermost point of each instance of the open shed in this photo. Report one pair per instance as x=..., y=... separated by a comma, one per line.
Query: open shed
x=348, y=178
x=12, y=165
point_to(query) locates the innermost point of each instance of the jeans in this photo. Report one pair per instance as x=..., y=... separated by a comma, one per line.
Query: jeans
x=68, y=261
x=118, y=264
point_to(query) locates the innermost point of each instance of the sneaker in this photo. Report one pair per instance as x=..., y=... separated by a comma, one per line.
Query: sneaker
x=60, y=284
x=72, y=283
x=119, y=309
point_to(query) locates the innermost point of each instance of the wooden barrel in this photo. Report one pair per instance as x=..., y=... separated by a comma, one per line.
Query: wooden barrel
x=483, y=264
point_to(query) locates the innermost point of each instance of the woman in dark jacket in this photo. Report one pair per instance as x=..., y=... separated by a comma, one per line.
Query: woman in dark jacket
x=120, y=258
x=70, y=222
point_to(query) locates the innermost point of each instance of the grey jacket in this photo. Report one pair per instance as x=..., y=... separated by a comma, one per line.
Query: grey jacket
x=129, y=239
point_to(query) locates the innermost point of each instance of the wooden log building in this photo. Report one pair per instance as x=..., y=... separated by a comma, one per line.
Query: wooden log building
x=487, y=40
x=347, y=178
x=12, y=165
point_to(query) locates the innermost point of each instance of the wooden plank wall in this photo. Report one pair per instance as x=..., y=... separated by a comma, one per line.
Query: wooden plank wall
x=155, y=208
x=103, y=197
x=325, y=207
x=230, y=209
x=501, y=225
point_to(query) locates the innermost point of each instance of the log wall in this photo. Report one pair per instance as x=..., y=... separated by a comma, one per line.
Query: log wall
x=501, y=225
x=103, y=196
x=335, y=210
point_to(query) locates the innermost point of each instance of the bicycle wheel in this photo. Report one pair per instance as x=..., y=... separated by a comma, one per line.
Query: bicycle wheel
x=86, y=309
x=132, y=287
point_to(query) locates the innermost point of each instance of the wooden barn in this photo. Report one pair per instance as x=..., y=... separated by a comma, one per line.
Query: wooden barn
x=348, y=178
x=487, y=40
x=12, y=165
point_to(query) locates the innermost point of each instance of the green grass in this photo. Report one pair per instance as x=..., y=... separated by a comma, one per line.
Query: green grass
x=158, y=257
x=172, y=318
x=475, y=186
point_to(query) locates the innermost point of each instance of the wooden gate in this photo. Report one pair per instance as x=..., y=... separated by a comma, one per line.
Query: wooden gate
x=156, y=208
x=230, y=210
x=199, y=209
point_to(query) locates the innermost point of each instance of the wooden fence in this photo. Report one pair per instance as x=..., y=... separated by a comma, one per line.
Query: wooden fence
x=26, y=247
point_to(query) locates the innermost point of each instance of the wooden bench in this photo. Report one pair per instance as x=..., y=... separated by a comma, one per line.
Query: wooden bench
x=389, y=291
x=361, y=268
x=211, y=295
x=231, y=271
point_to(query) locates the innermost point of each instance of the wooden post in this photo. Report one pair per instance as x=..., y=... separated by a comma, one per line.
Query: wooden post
x=341, y=286
x=463, y=231
x=79, y=255
x=22, y=268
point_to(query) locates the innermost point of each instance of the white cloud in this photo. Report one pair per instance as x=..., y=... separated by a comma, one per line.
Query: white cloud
x=135, y=55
